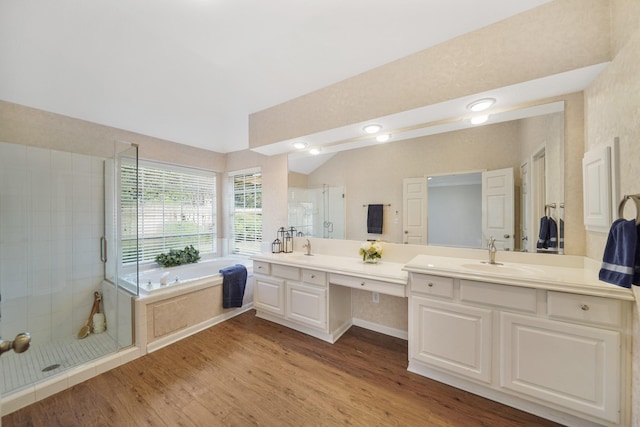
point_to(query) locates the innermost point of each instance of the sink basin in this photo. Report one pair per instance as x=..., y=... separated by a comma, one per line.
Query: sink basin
x=500, y=268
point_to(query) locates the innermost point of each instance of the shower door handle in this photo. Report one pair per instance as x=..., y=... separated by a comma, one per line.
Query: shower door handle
x=103, y=249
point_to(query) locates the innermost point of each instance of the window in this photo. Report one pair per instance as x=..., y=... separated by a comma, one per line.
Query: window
x=176, y=208
x=247, y=211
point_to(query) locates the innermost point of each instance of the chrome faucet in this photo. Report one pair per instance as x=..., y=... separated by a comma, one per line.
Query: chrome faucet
x=492, y=250
x=307, y=246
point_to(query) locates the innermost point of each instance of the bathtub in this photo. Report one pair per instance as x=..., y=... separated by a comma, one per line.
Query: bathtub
x=161, y=279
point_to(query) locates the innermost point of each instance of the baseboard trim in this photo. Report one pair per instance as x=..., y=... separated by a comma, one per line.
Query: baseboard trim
x=376, y=327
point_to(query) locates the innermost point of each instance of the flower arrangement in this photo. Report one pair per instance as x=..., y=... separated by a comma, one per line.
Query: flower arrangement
x=371, y=252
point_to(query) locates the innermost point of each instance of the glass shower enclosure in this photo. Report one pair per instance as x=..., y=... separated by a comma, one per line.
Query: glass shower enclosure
x=59, y=234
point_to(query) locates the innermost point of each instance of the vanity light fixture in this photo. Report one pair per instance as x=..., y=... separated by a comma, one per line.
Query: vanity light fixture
x=481, y=104
x=384, y=137
x=299, y=145
x=314, y=151
x=478, y=120
x=372, y=128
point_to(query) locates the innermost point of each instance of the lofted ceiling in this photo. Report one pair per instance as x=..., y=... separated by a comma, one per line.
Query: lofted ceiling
x=191, y=71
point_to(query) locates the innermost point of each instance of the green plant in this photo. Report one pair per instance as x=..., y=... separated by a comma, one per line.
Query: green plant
x=175, y=257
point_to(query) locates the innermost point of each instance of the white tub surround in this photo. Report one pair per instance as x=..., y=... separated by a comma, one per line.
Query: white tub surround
x=168, y=313
x=312, y=294
x=548, y=339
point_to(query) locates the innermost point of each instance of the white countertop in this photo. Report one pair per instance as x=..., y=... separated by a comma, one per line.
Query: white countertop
x=386, y=271
x=563, y=279
x=549, y=277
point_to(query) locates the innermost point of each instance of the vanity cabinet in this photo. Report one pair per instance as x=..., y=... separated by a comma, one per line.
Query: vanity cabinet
x=299, y=298
x=524, y=346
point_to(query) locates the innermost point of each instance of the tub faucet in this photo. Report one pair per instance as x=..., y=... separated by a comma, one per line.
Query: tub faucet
x=492, y=250
x=308, y=247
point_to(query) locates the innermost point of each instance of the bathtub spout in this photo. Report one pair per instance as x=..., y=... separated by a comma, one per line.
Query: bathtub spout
x=164, y=279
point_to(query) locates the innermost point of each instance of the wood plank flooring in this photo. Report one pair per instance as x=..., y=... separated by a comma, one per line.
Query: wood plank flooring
x=247, y=371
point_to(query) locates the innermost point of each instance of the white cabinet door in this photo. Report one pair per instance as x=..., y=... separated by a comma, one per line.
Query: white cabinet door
x=570, y=365
x=268, y=295
x=307, y=305
x=452, y=337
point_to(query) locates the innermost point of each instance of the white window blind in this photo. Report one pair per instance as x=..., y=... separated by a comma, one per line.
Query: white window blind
x=176, y=208
x=247, y=212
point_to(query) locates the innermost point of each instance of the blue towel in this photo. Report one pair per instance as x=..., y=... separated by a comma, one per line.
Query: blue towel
x=374, y=219
x=234, y=280
x=553, y=234
x=543, y=235
x=620, y=254
x=636, y=274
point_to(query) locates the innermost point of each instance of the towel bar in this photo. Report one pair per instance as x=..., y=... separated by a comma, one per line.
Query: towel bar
x=636, y=200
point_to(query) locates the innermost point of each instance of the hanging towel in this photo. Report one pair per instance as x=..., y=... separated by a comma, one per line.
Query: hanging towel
x=620, y=257
x=234, y=280
x=374, y=219
x=636, y=274
x=543, y=236
x=553, y=234
x=561, y=235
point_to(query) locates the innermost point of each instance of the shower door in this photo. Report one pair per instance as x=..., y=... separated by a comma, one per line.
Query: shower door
x=52, y=252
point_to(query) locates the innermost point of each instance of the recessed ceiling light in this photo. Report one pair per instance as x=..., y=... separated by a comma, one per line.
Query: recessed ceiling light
x=372, y=128
x=384, y=137
x=478, y=120
x=299, y=145
x=314, y=151
x=481, y=104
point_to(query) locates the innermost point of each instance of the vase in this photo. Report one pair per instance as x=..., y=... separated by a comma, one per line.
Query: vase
x=371, y=260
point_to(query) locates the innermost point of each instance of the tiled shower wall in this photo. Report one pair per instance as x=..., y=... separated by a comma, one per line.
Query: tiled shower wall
x=51, y=221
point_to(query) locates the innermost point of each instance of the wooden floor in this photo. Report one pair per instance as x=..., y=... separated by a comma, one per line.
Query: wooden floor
x=247, y=371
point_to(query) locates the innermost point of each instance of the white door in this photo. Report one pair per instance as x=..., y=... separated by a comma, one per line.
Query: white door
x=498, y=207
x=526, y=237
x=414, y=210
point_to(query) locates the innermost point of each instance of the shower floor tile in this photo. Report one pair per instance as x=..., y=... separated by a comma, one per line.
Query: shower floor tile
x=39, y=362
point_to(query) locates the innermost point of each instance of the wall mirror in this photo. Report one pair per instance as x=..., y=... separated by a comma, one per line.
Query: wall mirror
x=529, y=141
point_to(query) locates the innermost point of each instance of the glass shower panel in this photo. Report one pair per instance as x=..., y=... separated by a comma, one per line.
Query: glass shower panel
x=318, y=212
x=52, y=222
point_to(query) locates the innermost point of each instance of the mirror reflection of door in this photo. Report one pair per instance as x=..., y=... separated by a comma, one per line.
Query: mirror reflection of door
x=538, y=190
x=526, y=236
x=498, y=208
x=414, y=212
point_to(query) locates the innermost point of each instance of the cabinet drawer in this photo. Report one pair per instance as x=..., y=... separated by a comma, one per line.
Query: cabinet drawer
x=314, y=277
x=285, y=272
x=261, y=267
x=584, y=308
x=505, y=296
x=387, y=288
x=432, y=285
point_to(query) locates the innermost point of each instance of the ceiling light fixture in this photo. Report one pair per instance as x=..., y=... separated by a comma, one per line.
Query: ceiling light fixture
x=481, y=104
x=478, y=120
x=384, y=137
x=372, y=128
x=299, y=145
x=314, y=151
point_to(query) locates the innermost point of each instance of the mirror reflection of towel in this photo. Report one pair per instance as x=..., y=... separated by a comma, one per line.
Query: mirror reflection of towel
x=374, y=219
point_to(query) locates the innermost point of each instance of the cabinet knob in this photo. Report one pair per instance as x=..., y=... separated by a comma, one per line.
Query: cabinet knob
x=584, y=307
x=313, y=276
x=362, y=284
x=430, y=285
x=259, y=267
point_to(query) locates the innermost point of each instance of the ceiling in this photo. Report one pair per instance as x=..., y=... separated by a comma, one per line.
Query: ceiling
x=191, y=71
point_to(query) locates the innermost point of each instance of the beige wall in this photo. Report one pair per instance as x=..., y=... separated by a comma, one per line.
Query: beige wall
x=612, y=109
x=558, y=36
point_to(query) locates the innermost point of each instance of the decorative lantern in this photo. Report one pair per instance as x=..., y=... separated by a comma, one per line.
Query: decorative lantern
x=280, y=235
x=288, y=243
x=276, y=247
